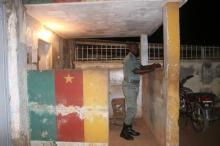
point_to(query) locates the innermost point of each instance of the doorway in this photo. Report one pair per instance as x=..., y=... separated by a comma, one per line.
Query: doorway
x=44, y=60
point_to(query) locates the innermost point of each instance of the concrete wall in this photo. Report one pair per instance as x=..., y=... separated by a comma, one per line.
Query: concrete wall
x=154, y=104
x=22, y=39
x=206, y=76
x=115, y=81
x=5, y=129
x=198, y=83
x=17, y=63
x=206, y=79
x=68, y=107
x=38, y=37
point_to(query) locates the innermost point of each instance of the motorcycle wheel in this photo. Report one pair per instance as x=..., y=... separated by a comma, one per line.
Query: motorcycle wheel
x=199, y=121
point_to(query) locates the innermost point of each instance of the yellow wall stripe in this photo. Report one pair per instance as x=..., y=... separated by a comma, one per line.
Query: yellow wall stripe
x=95, y=92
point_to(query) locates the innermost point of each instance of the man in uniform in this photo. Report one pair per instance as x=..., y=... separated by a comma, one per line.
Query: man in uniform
x=132, y=71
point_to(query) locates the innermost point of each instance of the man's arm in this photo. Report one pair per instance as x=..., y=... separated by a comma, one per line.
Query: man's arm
x=154, y=65
x=146, y=68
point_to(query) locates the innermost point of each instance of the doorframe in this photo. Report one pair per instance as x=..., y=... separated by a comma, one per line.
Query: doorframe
x=5, y=132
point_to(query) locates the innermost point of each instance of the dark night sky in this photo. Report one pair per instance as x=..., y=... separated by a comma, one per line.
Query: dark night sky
x=199, y=24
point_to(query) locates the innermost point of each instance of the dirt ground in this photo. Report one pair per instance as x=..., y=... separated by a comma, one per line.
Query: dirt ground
x=145, y=139
x=188, y=137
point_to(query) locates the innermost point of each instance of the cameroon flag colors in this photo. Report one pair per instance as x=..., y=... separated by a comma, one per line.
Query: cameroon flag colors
x=69, y=106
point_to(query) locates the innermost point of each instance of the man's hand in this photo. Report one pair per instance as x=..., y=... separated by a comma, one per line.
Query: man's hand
x=157, y=65
x=147, y=68
x=143, y=70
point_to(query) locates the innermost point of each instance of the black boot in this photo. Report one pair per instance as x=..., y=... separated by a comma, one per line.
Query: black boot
x=125, y=134
x=132, y=132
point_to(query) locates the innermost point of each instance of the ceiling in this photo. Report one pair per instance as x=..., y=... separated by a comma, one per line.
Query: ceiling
x=118, y=18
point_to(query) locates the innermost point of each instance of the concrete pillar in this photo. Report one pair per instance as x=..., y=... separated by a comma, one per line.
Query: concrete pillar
x=171, y=70
x=17, y=73
x=144, y=61
x=5, y=138
x=144, y=49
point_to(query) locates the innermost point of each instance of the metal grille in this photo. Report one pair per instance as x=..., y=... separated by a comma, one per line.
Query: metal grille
x=99, y=51
x=155, y=51
x=196, y=52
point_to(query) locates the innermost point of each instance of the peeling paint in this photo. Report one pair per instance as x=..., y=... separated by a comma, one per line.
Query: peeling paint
x=41, y=109
x=44, y=134
x=44, y=121
x=85, y=112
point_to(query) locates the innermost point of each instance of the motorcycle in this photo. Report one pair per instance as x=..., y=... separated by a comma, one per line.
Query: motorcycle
x=198, y=107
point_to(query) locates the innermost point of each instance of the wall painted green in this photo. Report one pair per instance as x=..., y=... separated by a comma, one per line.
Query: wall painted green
x=41, y=87
x=37, y=1
x=42, y=105
x=43, y=126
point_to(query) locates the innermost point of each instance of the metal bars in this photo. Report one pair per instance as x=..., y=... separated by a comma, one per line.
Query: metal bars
x=108, y=52
x=101, y=52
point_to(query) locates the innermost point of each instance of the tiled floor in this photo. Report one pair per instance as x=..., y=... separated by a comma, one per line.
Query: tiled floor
x=145, y=139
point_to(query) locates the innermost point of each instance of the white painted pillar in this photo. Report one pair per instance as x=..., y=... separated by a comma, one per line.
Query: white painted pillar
x=5, y=130
x=144, y=61
x=17, y=73
x=144, y=49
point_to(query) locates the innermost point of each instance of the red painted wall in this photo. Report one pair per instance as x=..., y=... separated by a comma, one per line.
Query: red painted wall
x=69, y=93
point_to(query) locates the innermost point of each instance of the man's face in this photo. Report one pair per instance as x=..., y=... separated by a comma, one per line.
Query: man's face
x=134, y=49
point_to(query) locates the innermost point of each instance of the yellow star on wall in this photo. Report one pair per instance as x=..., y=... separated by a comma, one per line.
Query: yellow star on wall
x=68, y=78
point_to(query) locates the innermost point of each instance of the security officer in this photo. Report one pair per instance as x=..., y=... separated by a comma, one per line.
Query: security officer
x=132, y=71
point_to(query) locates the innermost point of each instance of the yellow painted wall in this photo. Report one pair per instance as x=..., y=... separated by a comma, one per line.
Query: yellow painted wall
x=95, y=92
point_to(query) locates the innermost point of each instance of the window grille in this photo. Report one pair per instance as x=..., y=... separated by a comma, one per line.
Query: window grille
x=100, y=51
x=108, y=52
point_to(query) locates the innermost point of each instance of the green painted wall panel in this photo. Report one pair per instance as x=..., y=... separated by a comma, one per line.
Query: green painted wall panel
x=37, y=1
x=43, y=126
x=42, y=105
x=41, y=87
